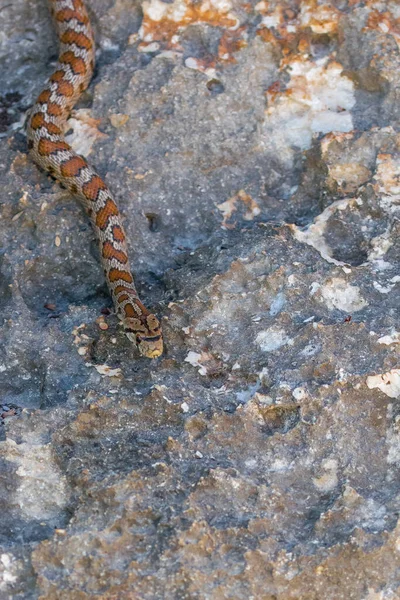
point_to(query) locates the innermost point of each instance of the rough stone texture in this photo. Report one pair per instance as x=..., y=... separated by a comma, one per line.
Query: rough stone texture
x=254, y=151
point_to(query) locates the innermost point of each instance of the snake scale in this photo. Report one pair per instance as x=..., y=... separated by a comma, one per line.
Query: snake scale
x=45, y=132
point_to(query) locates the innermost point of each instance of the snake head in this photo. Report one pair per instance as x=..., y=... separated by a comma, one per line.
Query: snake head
x=146, y=333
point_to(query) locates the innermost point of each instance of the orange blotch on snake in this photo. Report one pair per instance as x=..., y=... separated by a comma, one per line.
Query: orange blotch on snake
x=72, y=167
x=108, y=251
x=141, y=308
x=39, y=121
x=76, y=37
x=117, y=274
x=67, y=14
x=51, y=128
x=92, y=188
x=57, y=75
x=118, y=233
x=110, y=209
x=46, y=147
x=65, y=88
x=78, y=6
x=54, y=109
x=123, y=297
x=44, y=97
x=76, y=63
x=130, y=311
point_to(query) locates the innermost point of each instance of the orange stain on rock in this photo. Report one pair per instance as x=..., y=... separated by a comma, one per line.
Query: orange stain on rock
x=385, y=22
x=293, y=30
x=162, y=22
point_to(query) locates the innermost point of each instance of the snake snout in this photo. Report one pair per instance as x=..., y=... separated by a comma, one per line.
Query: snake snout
x=145, y=333
x=149, y=346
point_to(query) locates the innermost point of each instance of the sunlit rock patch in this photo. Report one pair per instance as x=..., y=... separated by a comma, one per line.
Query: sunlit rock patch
x=317, y=99
x=387, y=178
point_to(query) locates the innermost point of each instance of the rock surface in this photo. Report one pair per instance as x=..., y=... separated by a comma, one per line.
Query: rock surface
x=254, y=152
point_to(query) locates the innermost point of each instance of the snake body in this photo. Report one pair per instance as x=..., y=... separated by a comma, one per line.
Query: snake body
x=45, y=132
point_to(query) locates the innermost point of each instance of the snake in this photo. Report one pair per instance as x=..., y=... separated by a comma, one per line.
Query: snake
x=45, y=127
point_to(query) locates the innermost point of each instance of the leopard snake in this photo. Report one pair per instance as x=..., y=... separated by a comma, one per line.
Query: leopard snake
x=45, y=132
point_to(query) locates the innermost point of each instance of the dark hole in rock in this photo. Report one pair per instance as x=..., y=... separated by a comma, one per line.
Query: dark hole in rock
x=321, y=45
x=352, y=258
x=202, y=43
x=7, y=115
x=348, y=242
x=9, y=410
x=280, y=418
x=5, y=281
x=18, y=142
x=11, y=98
x=215, y=86
x=154, y=221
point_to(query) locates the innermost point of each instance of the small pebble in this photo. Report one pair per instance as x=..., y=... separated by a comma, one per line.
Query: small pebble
x=50, y=306
x=118, y=119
